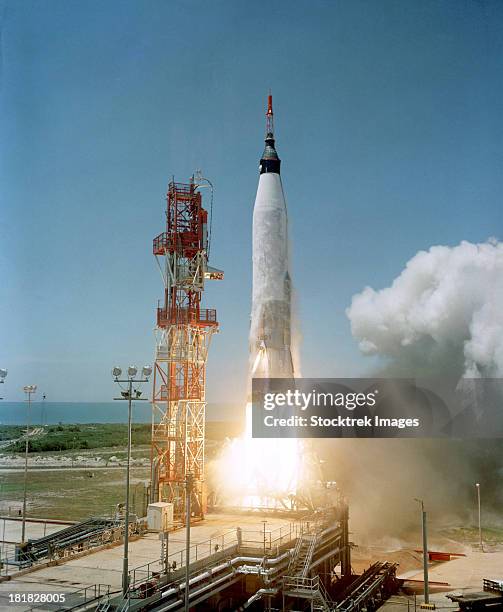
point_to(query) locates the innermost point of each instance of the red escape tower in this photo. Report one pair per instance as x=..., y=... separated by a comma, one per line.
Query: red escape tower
x=183, y=335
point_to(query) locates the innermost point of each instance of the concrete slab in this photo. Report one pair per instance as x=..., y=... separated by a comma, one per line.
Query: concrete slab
x=10, y=530
x=105, y=566
x=467, y=572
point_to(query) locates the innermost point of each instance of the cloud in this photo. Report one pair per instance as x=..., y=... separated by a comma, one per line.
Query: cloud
x=445, y=310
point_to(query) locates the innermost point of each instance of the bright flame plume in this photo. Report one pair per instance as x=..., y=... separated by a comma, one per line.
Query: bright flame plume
x=259, y=473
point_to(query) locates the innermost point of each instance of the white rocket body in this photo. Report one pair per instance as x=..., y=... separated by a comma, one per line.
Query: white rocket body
x=270, y=332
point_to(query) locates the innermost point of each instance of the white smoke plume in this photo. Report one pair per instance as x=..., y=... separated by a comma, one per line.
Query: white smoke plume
x=443, y=312
x=442, y=316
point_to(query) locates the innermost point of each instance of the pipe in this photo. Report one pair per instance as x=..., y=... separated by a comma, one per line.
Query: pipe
x=240, y=559
x=179, y=601
x=256, y=596
x=218, y=568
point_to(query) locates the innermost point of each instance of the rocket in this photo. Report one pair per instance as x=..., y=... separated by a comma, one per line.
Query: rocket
x=270, y=330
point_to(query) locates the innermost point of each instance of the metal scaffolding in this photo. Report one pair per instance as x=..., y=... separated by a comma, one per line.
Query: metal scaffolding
x=183, y=335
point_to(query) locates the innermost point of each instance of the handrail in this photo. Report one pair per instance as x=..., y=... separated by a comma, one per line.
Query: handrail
x=251, y=540
x=96, y=593
x=313, y=585
x=295, y=554
x=187, y=315
x=324, y=593
x=309, y=556
x=61, y=544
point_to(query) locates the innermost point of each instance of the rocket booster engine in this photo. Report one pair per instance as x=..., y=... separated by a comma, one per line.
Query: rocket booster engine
x=270, y=332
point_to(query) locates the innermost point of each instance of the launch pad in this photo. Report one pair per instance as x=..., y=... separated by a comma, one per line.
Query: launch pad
x=251, y=568
x=287, y=546
x=237, y=562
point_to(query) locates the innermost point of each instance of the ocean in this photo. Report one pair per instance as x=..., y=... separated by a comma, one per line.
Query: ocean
x=52, y=413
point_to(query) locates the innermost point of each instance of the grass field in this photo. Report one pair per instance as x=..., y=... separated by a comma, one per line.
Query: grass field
x=75, y=494
x=470, y=534
x=70, y=494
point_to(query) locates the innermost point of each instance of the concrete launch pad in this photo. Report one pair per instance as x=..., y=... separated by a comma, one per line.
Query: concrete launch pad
x=105, y=566
x=232, y=558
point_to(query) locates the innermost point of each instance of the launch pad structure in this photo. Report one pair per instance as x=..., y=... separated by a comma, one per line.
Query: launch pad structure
x=184, y=330
x=303, y=563
x=293, y=556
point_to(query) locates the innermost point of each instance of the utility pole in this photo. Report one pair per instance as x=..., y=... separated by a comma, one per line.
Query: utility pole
x=480, y=523
x=425, y=555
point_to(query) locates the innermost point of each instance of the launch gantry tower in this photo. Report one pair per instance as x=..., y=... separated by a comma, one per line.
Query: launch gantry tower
x=183, y=335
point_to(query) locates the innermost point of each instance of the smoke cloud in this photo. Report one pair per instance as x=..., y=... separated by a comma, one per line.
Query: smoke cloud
x=442, y=316
x=443, y=312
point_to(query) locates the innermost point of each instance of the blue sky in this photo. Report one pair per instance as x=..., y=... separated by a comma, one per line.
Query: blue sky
x=389, y=122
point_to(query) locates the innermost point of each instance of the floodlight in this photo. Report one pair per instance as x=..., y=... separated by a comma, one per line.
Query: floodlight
x=132, y=371
x=3, y=373
x=146, y=371
x=116, y=372
x=138, y=394
x=30, y=388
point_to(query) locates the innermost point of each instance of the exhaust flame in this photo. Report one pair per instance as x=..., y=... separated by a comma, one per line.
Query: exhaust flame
x=256, y=472
x=259, y=473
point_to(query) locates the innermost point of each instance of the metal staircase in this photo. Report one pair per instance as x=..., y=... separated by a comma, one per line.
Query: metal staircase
x=308, y=588
x=297, y=583
x=302, y=555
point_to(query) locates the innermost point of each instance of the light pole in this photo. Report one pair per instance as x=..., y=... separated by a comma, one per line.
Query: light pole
x=3, y=374
x=480, y=523
x=42, y=412
x=425, y=552
x=29, y=390
x=188, y=494
x=127, y=395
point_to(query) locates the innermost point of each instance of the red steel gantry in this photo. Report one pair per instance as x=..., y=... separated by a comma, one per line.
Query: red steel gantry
x=184, y=332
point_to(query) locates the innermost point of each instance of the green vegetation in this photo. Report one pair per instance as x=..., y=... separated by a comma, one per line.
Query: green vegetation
x=10, y=432
x=490, y=535
x=86, y=436
x=97, y=435
x=72, y=495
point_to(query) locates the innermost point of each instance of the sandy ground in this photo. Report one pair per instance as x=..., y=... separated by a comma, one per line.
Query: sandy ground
x=85, y=459
x=463, y=574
